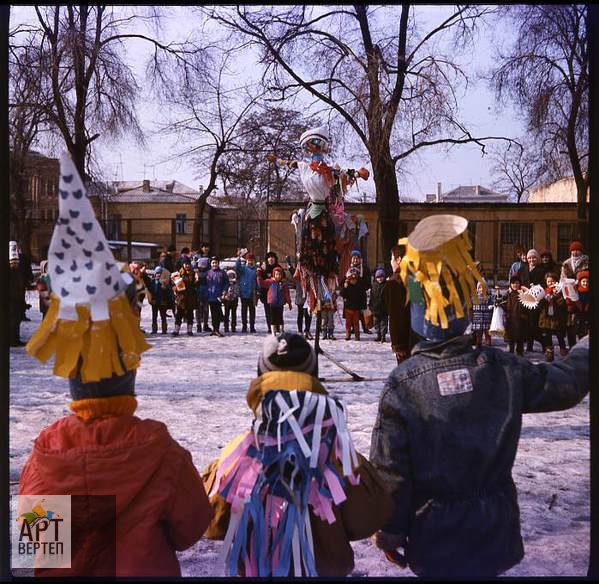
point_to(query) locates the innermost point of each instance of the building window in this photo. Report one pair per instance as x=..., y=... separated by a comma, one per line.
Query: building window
x=566, y=232
x=180, y=221
x=512, y=236
x=113, y=227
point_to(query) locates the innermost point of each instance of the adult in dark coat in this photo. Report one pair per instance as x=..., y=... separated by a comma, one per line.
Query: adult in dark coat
x=536, y=276
x=16, y=302
x=516, y=317
x=403, y=337
x=365, y=281
x=548, y=264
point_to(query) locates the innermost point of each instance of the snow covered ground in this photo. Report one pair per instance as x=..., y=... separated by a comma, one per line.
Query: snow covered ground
x=197, y=387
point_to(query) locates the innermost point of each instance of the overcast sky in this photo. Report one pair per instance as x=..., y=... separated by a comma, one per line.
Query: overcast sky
x=462, y=165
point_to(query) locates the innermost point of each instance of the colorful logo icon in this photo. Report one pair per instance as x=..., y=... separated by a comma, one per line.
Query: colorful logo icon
x=38, y=514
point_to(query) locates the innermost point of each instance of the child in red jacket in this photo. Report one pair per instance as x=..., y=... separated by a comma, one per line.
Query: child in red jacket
x=278, y=295
x=136, y=496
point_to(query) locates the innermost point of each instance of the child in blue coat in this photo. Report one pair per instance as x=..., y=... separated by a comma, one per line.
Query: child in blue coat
x=217, y=283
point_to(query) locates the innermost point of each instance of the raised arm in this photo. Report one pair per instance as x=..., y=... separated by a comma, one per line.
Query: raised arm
x=288, y=163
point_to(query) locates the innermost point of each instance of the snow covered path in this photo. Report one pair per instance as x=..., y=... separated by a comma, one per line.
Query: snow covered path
x=197, y=387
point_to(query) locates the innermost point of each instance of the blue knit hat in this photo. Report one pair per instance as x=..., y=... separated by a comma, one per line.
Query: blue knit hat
x=356, y=252
x=380, y=273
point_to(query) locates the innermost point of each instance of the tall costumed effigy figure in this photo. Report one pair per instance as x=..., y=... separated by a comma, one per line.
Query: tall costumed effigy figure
x=322, y=227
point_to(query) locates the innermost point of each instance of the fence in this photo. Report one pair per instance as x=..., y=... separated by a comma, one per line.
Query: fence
x=144, y=238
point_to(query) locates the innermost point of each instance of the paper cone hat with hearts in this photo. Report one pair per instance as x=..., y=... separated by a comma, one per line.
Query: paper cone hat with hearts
x=90, y=323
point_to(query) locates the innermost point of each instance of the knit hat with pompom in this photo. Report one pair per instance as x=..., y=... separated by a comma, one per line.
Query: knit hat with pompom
x=287, y=352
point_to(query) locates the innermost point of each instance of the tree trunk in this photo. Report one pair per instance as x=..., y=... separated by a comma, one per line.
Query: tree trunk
x=581, y=211
x=387, y=197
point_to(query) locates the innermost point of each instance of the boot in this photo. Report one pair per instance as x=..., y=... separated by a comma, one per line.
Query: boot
x=226, y=327
x=357, y=335
x=164, y=325
x=154, y=329
x=176, y=331
x=347, y=336
x=383, y=339
x=190, y=330
x=233, y=328
x=252, y=328
x=244, y=328
x=198, y=328
x=207, y=329
x=332, y=336
x=378, y=338
x=308, y=336
x=325, y=335
x=549, y=355
x=218, y=333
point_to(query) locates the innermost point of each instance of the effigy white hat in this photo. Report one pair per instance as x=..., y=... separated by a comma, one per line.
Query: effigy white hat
x=437, y=252
x=90, y=322
x=322, y=133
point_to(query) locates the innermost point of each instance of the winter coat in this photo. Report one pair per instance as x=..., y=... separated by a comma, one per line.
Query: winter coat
x=232, y=292
x=161, y=295
x=266, y=270
x=186, y=299
x=247, y=279
x=568, y=270
x=516, y=317
x=519, y=268
x=377, y=302
x=552, y=267
x=217, y=283
x=364, y=511
x=365, y=281
x=535, y=276
x=403, y=337
x=201, y=264
x=161, y=505
x=555, y=322
x=167, y=263
x=354, y=296
x=277, y=293
x=445, y=440
x=16, y=289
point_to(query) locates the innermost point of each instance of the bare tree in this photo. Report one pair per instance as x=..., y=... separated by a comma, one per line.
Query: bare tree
x=87, y=89
x=205, y=113
x=546, y=72
x=26, y=125
x=244, y=174
x=516, y=168
x=371, y=67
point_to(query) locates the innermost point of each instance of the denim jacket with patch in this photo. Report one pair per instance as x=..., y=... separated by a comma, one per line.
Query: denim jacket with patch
x=445, y=440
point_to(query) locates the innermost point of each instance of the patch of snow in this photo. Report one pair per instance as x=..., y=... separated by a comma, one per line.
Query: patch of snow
x=197, y=387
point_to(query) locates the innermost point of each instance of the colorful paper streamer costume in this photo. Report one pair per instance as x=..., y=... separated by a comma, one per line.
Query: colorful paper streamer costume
x=298, y=456
x=90, y=318
x=438, y=256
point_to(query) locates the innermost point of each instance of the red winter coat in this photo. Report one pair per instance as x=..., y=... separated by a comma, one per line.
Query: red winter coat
x=160, y=502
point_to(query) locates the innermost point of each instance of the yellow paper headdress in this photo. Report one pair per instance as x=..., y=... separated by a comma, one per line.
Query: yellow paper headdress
x=90, y=318
x=437, y=255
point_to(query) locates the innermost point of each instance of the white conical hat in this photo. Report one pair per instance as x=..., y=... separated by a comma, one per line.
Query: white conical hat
x=81, y=265
x=321, y=132
x=90, y=321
